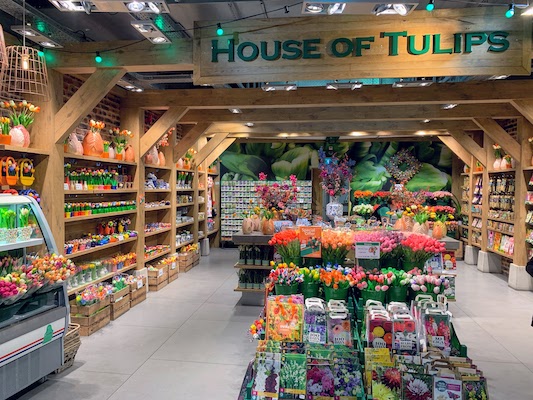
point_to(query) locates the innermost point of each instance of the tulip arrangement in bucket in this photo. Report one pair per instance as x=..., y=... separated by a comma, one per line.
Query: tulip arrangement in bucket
x=337, y=281
x=429, y=284
x=398, y=281
x=372, y=286
x=390, y=249
x=335, y=246
x=417, y=249
x=311, y=282
x=285, y=280
x=287, y=244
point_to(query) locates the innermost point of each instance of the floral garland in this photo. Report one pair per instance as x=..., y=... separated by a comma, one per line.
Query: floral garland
x=403, y=157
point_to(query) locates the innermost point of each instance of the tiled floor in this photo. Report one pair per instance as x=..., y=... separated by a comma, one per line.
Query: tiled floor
x=189, y=341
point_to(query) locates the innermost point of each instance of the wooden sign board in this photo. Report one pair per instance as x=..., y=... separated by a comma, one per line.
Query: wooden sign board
x=459, y=42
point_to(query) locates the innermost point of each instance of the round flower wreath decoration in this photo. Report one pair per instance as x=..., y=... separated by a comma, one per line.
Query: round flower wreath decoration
x=403, y=159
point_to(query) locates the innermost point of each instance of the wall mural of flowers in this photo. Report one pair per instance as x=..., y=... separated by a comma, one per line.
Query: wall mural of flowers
x=244, y=161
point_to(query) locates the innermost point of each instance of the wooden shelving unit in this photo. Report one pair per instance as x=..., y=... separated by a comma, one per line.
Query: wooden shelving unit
x=102, y=279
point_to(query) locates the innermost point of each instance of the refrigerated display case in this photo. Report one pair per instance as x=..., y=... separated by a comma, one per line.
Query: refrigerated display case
x=32, y=325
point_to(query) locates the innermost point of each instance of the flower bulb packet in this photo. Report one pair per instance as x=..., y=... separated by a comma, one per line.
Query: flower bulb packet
x=475, y=390
x=293, y=348
x=315, y=326
x=447, y=388
x=284, y=319
x=293, y=376
x=386, y=382
x=320, y=382
x=340, y=329
x=417, y=386
x=348, y=381
x=437, y=328
x=266, y=382
x=379, y=330
x=404, y=333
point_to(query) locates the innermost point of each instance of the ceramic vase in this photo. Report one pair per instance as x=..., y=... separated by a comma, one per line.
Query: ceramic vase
x=334, y=208
x=439, y=230
x=422, y=229
x=267, y=226
x=256, y=223
x=93, y=144
x=247, y=226
x=19, y=136
x=497, y=164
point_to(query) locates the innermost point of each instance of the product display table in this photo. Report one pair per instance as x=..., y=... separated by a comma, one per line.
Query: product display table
x=255, y=238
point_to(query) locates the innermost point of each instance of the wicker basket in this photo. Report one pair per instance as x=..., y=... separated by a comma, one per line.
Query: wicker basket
x=71, y=345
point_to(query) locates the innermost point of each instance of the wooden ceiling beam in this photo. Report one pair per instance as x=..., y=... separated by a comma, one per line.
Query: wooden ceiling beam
x=469, y=145
x=497, y=91
x=210, y=147
x=341, y=127
x=133, y=56
x=525, y=107
x=222, y=147
x=84, y=100
x=397, y=113
x=456, y=148
x=189, y=139
x=500, y=136
x=169, y=119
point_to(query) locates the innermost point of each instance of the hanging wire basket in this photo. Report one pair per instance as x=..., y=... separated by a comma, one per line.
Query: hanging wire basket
x=26, y=72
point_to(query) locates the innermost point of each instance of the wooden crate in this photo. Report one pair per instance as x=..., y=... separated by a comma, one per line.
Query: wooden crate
x=137, y=297
x=173, y=270
x=120, y=307
x=86, y=311
x=117, y=296
x=92, y=323
x=156, y=288
x=159, y=276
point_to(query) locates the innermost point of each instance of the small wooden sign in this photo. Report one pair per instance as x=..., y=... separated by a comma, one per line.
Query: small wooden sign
x=447, y=42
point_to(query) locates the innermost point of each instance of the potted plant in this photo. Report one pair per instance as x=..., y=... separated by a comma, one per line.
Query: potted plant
x=242, y=279
x=120, y=138
x=417, y=249
x=22, y=115
x=398, y=282
x=285, y=280
x=372, y=286
x=5, y=124
x=498, y=156
x=276, y=197
x=311, y=281
x=429, y=284
x=335, y=246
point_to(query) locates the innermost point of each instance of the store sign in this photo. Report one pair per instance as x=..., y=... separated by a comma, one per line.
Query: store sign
x=444, y=43
x=367, y=250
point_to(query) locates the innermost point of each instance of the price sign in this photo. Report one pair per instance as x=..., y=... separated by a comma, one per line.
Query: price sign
x=406, y=345
x=367, y=250
x=174, y=265
x=314, y=337
x=79, y=186
x=437, y=341
x=160, y=272
x=139, y=284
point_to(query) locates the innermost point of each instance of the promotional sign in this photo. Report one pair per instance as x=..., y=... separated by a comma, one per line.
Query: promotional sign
x=367, y=250
x=446, y=42
x=310, y=245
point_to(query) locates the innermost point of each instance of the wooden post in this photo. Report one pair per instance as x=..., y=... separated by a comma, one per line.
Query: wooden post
x=84, y=100
x=189, y=139
x=169, y=119
x=500, y=136
x=456, y=148
x=221, y=148
x=469, y=145
x=210, y=147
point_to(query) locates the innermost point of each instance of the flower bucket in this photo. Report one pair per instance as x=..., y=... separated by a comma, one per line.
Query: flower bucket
x=397, y=293
x=287, y=289
x=335, y=294
x=373, y=295
x=295, y=260
x=267, y=226
x=368, y=264
x=387, y=261
x=310, y=289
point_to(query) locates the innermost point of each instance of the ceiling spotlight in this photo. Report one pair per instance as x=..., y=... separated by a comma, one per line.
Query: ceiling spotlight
x=48, y=44
x=129, y=87
x=357, y=133
x=336, y=8
x=394, y=9
x=159, y=40
x=498, y=77
x=314, y=8
x=249, y=124
x=400, y=9
x=268, y=87
x=449, y=106
x=135, y=6
x=150, y=31
x=527, y=12
x=510, y=11
x=420, y=133
x=139, y=90
x=414, y=83
x=348, y=85
x=35, y=36
x=284, y=135
x=425, y=121
x=235, y=110
x=430, y=6
x=154, y=7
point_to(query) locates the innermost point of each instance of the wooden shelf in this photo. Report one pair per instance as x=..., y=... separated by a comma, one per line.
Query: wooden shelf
x=184, y=205
x=464, y=239
x=465, y=173
x=502, y=171
x=147, y=209
x=213, y=174
x=179, y=246
x=100, y=159
x=501, y=220
x=158, y=167
x=238, y=289
x=475, y=229
x=192, y=171
x=527, y=169
x=184, y=190
x=157, y=232
x=184, y=224
x=98, y=191
x=101, y=279
x=100, y=248
x=476, y=245
x=477, y=172
x=500, y=231
x=246, y=266
x=157, y=190
x=97, y=216
x=213, y=231
x=475, y=215
x=153, y=257
x=500, y=253
x=24, y=150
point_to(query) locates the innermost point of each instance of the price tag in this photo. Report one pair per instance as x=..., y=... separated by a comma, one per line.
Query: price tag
x=406, y=345
x=367, y=250
x=65, y=186
x=339, y=340
x=174, y=265
x=79, y=186
x=314, y=337
x=437, y=341
x=120, y=298
x=160, y=272
x=139, y=284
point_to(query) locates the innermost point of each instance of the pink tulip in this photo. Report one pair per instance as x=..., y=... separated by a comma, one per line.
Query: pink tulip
x=436, y=290
x=415, y=287
x=384, y=288
x=378, y=288
x=424, y=288
x=437, y=282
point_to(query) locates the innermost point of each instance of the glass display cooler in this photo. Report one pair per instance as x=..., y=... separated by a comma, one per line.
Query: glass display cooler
x=33, y=324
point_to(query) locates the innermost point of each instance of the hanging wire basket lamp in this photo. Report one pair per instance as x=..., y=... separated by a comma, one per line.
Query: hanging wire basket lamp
x=26, y=72
x=3, y=59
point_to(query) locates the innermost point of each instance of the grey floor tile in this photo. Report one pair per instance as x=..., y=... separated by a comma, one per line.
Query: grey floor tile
x=507, y=381
x=78, y=384
x=120, y=348
x=220, y=342
x=224, y=312
x=171, y=380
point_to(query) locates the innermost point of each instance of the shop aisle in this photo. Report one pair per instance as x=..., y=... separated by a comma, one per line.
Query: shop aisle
x=189, y=341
